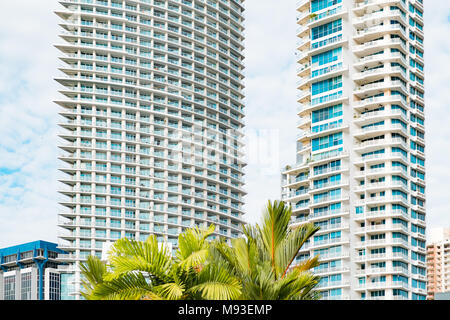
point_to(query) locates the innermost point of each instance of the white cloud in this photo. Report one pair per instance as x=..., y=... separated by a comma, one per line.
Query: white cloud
x=28, y=121
x=271, y=93
x=437, y=99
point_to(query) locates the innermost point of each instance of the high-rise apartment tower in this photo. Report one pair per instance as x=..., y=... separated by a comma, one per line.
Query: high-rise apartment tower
x=360, y=171
x=152, y=123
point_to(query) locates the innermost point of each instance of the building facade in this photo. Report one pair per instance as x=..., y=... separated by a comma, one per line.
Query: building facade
x=152, y=110
x=438, y=266
x=360, y=171
x=29, y=272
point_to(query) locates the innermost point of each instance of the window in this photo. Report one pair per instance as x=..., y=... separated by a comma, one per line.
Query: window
x=327, y=57
x=327, y=113
x=317, y=5
x=25, y=286
x=54, y=286
x=9, y=285
x=326, y=85
x=326, y=29
x=327, y=141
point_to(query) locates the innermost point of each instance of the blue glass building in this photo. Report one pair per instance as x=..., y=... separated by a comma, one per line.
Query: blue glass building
x=29, y=272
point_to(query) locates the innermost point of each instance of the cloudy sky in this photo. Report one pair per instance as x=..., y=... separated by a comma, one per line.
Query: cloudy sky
x=28, y=131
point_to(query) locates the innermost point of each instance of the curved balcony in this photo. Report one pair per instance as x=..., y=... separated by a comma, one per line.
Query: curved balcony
x=382, y=200
x=379, y=101
x=371, y=61
x=327, y=242
x=343, y=184
x=308, y=105
x=381, y=215
x=373, y=116
x=374, y=32
x=379, y=87
x=332, y=128
x=373, y=229
x=378, y=17
x=297, y=182
x=379, y=73
x=297, y=195
x=320, y=46
x=372, y=131
x=332, y=227
x=383, y=285
x=302, y=5
x=374, y=46
x=365, y=5
x=320, y=73
x=332, y=13
x=372, y=145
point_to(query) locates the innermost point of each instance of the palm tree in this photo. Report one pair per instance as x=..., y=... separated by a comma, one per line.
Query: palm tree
x=259, y=266
x=147, y=270
x=263, y=260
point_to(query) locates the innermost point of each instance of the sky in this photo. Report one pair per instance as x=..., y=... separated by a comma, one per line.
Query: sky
x=28, y=117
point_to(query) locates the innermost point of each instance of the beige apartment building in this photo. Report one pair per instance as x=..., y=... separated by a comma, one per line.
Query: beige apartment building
x=438, y=264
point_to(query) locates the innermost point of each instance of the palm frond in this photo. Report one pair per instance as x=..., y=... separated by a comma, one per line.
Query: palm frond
x=149, y=257
x=92, y=271
x=294, y=241
x=171, y=291
x=193, y=247
x=130, y=286
x=274, y=228
x=215, y=283
x=308, y=264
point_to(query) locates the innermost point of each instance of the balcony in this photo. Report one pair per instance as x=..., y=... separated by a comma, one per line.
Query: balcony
x=302, y=5
x=327, y=44
x=333, y=70
x=329, y=170
x=382, y=284
x=303, y=95
x=291, y=196
x=381, y=15
x=374, y=88
x=329, y=155
x=330, y=270
x=329, y=184
x=385, y=270
x=381, y=214
x=373, y=74
x=332, y=226
x=381, y=200
x=332, y=284
x=374, y=46
x=365, y=146
x=368, y=117
x=328, y=214
x=366, y=4
x=374, y=60
x=333, y=255
x=323, y=242
x=381, y=227
x=377, y=31
x=326, y=16
x=381, y=156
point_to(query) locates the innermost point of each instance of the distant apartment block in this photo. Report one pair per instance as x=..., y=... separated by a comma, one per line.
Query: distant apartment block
x=360, y=171
x=29, y=272
x=438, y=265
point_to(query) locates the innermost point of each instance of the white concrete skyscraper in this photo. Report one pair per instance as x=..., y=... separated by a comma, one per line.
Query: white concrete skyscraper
x=360, y=171
x=152, y=110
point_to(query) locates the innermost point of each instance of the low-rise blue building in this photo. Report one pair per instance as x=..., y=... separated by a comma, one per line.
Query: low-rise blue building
x=29, y=272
